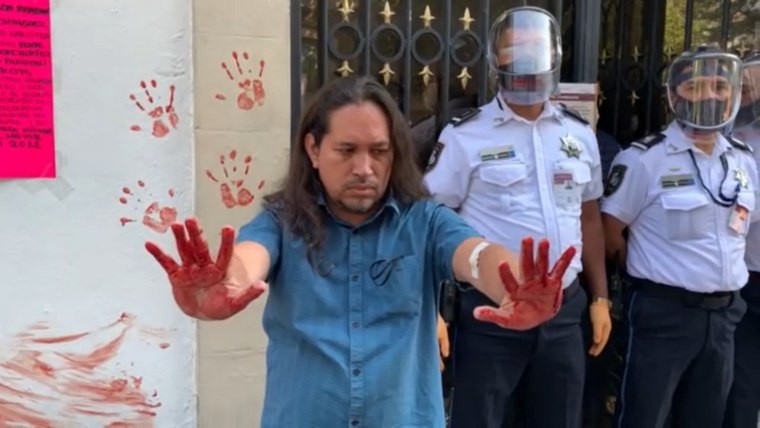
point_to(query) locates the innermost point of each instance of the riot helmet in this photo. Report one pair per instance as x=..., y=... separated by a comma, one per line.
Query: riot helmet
x=749, y=107
x=525, y=53
x=704, y=88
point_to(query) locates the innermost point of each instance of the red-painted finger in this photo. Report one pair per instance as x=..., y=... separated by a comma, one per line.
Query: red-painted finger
x=198, y=242
x=526, y=259
x=542, y=264
x=186, y=252
x=508, y=279
x=492, y=315
x=166, y=261
x=558, y=296
x=496, y=316
x=561, y=266
x=239, y=302
x=225, y=248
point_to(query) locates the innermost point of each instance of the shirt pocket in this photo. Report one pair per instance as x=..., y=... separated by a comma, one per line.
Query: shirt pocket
x=686, y=214
x=501, y=180
x=569, y=196
x=396, y=281
x=746, y=200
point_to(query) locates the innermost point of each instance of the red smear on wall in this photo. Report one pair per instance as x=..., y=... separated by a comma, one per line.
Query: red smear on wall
x=62, y=380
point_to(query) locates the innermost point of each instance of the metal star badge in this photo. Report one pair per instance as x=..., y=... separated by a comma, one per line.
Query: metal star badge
x=741, y=176
x=571, y=147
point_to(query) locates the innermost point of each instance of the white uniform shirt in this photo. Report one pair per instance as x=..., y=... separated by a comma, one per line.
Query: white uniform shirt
x=677, y=235
x=752, y=256
x=510, y=178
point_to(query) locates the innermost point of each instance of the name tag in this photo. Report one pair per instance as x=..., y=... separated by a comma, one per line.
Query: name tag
x=678, y=180
x=496, y=153
x=738, y=219
x=565, y=189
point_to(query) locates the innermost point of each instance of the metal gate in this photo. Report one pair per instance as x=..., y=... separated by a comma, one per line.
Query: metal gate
x=639, y=38
x=428, y=53
x=430, y=56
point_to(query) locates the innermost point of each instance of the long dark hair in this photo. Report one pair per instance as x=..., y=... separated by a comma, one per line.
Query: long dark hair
x=295, y=202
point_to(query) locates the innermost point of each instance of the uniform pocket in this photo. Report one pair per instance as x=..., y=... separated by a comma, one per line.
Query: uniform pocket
x=746, y=201
x=502, y=179
x=687, y=214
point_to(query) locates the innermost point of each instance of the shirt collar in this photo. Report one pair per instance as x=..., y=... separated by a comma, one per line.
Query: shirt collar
x=502, y=113
x=678, y=142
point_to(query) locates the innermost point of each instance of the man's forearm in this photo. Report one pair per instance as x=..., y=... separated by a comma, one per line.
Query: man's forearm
x=488, y=281
x=250, y=263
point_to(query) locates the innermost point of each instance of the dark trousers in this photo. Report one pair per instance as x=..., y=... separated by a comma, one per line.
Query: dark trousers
x=679, y=357
x=744, y=399
x=489, y=363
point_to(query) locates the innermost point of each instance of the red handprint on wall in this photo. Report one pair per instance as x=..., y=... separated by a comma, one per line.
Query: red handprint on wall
x=252, y=87
x=232, y=190
x=155, y=217
x=161, y=115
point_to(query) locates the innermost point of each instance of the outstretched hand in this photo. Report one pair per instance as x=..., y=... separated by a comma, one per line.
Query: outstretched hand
x=538, y=298
x=201, y=286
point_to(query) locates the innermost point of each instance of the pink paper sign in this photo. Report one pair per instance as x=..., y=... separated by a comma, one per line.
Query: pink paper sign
x=27, y=146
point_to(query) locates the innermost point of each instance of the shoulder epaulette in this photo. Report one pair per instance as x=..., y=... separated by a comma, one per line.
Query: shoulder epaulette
x=741, y=145
x=649, y=141
x=464, y=117
x=568, y=111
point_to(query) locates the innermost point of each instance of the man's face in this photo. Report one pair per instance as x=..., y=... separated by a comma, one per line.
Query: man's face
x=703, y=88
x=354, y=160
x=525, y=44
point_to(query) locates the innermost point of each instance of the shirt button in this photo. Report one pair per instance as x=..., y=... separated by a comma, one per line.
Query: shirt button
x=354, y=422
x=354, y=278
x=355, y=325
x=357, y=372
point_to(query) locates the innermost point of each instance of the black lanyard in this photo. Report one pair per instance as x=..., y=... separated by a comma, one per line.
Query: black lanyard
x=724, y=201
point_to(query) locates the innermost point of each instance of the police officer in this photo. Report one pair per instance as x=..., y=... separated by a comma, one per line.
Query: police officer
x=519, y=166
x=744, y=400
x=686, y=196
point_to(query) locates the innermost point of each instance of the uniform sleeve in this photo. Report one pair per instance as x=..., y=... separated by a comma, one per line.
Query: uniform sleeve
x=595, y=188
x=264, y=229
x=448, y=175
x=754, y=176
x=447, y=231
x=626, y=187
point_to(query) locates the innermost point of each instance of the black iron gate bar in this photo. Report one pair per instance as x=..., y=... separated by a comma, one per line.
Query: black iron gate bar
x=409, y=12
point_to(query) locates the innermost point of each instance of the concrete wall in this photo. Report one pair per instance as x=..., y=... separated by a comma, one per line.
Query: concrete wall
x=89, y=333
x=242, y=95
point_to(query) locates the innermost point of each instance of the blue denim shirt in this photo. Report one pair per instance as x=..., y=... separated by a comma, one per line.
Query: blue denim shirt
x=353, y=344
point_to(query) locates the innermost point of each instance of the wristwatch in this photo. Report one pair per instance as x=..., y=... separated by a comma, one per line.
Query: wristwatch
x=604, y=300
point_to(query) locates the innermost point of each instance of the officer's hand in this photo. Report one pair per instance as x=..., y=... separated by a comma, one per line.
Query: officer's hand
x=538, y=298
x=599, y=311
x=201, y=287
x=443, y=340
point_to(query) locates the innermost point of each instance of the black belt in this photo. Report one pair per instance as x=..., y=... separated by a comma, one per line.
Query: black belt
x=709, y=301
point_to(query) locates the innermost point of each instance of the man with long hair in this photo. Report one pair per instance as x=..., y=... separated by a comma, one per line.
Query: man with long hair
x=355, y=251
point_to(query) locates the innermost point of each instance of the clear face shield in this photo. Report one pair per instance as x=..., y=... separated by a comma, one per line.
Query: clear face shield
x=749, y=107
x=704, y=89
x=525, y=53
